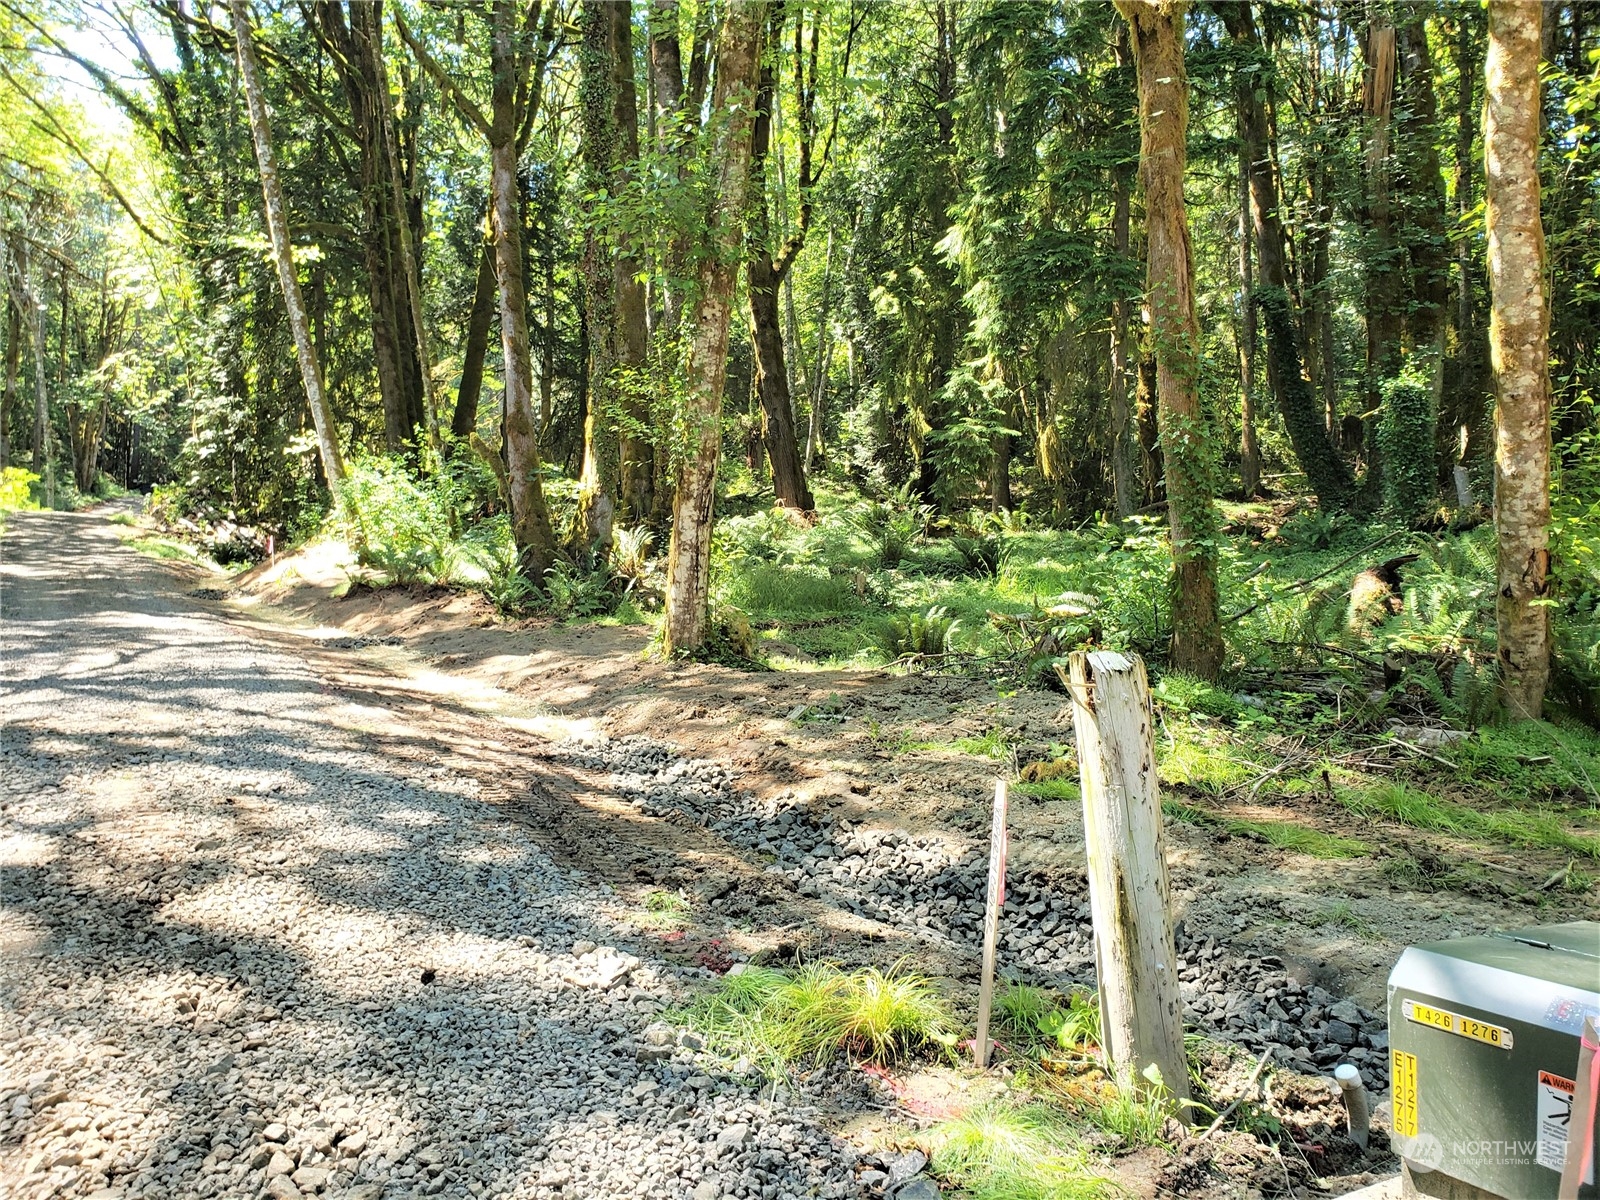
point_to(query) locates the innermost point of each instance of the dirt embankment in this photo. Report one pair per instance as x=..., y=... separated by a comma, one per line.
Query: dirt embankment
x=877, y=750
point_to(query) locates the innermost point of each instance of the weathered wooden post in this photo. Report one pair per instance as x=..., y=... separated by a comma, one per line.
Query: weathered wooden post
x=1140, y=1014
x=991, y=922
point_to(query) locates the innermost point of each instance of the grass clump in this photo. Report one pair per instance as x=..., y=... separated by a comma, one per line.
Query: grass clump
x=1050, y=789
x=1009, y=1151
x=781, y=1018
x=663, y=910
x=1517, y=826
x=167, y=549
x=1286, y=835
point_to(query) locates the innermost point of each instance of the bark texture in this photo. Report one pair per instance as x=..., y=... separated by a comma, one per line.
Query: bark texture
x=282, y=251
x=530, y=517
x=617, y=464
x=1157, y=30
x=465, y=418
x=764, y=274
x=1519, y=334
x=1124, y=475
x=689, y=555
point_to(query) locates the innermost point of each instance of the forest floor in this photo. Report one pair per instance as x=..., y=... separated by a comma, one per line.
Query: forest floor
x=268, y=809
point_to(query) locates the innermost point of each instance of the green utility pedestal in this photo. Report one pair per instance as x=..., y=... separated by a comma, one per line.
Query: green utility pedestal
x=1484, y=1036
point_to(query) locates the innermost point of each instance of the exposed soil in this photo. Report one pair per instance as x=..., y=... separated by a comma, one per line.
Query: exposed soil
x=832, y=739
x=430, y=665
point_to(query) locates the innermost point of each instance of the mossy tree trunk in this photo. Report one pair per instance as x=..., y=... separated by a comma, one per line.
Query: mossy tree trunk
x=689, y=555
x=1186, y=440
x=1519, y=334
x=1302, y=415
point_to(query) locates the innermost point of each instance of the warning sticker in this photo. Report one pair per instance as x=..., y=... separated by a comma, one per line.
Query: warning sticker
x=1555, y=1121
x=1404, y=1074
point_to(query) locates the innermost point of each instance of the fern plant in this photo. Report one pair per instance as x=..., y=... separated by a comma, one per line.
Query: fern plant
x=916, y=635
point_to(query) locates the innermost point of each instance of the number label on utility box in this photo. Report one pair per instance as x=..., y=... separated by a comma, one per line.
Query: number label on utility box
x=1467, y=1027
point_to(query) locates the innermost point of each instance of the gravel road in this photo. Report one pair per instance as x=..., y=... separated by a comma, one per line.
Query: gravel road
x=245, y=952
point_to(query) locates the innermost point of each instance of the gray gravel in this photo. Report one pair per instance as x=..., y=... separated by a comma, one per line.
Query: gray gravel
x=245, y=954
x=931, y=887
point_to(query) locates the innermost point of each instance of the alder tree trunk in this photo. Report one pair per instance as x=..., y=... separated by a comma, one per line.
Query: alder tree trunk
x=1519, y=334
x=764, y=274
x=530, y=517
x=689, y=555
x=1385, y=275
x=1464, y=411
x=1157, y=32
x=13, y=362
x=465, y=418
x=410, y=266
x=355, y=46
x=618, y=462
x=1302, y=415
x=283, y=252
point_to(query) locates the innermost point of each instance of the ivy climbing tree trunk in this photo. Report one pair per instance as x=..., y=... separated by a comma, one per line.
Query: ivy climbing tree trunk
x=689, y=555
x=1124, y=476
x=1302, y=415
x=1187, y=452
x=1519, y=334
x=282, y=251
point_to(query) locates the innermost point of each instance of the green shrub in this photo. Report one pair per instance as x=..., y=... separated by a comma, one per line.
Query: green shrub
x=16, y=490
x=1405, y=439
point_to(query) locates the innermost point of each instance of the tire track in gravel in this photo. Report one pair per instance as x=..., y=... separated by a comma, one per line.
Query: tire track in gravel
x=268, y=931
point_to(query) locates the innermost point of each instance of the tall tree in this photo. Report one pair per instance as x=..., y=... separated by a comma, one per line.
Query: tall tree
x=617, y=468
x=768, y=266
x=1124, y=439
x=1519, y=332
x=283, y=251
x=1302, y=415
x=1157, y=29
x=521, y=42
x=706, y=364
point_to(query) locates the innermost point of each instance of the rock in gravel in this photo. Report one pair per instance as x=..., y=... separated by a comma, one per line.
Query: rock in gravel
x=904, y=1166
x=311, y=1179
x=733, y=1138
x=920, y=1188
x=279, y=1164
x=1341, y=1034
x=281, y=1187
x=706, y=1189
x=275, y=1132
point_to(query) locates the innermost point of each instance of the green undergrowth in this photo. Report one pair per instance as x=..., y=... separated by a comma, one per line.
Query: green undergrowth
x=168, y=549
x=783, y=1019
x=1410, y=805
x=1285, y=835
